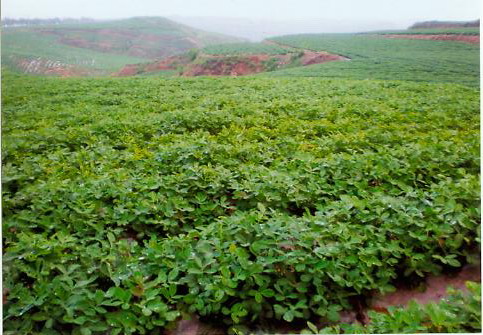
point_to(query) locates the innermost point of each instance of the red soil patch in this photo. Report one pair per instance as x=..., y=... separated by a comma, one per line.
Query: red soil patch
x=194, y=327
x=76, y=42
x=251, y=64
x=227, y=66
x=128, y=70
x=222, y=65
x=435, y=289
x=221, y=68
x=312, y=57
x=472, y=39
x=170, y=63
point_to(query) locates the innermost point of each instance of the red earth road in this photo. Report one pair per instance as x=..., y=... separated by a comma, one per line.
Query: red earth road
x=472, y=39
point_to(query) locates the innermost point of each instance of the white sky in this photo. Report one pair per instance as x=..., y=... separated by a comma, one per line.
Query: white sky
x=365, y=10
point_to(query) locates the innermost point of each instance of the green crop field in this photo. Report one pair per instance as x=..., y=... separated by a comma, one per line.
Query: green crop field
x=246, y=48
x=377, y=57
x=130, y=202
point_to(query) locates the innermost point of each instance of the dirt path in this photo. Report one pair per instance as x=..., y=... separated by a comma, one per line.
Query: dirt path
x=307, y=51
x=472, y=39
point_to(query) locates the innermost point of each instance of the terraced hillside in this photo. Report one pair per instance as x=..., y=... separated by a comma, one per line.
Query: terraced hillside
x=99, y=47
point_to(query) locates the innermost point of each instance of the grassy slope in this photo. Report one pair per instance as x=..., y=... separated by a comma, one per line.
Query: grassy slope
x=309, y=186
x=25, y=44
x=129, y=41
x=375, y=57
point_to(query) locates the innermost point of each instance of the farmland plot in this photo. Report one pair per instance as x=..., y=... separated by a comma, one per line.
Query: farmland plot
x=128, y=202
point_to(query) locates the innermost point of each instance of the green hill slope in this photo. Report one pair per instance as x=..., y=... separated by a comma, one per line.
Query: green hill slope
x=100, y=47
x=375, y=56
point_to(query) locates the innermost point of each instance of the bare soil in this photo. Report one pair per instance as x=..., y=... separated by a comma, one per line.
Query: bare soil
x=227, y=66
x=170, y=63
x=312, y=57
x=222, y=65
x=251, y=64
x=433, y=290
x=472, y=39
x=128, y=70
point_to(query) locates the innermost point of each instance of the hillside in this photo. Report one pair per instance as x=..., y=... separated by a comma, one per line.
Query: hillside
x=389, y=57
x=158, y=46
x=235, y=59
x=99, y=47
x=445, y=55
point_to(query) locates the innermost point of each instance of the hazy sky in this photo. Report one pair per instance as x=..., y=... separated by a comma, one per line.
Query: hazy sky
x=396, y=10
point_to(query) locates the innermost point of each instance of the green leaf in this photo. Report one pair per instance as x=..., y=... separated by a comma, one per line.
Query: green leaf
x=40, y=316
x=267, y=293
x=219, y=294
x=333, y=315
x=279, y=310
x=312, y=327
x=171, y=316
x=261, y=207
x=49, y=323
x=80, y=320
x=111, y=238
x=173, y=274
x=162, y=277
x=288, y=316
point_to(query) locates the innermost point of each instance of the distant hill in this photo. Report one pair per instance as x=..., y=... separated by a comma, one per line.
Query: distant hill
x=22, y=22
x=98, y=47
x=445, y=24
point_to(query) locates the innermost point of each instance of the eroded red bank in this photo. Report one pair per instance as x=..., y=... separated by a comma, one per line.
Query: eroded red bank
x=240, y=65
x=472, y=39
